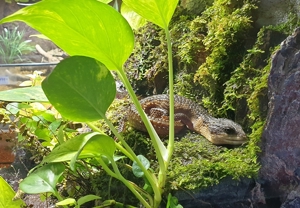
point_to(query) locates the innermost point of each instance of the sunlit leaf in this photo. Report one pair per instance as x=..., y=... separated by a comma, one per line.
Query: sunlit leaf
x=7, y=195
x=97, y=146
x=135, y=20
x=105, y=1
x=87, y=198
x=26, y=94
x=14, y=108
x=159, y=12
x=81, y=27
x=80, y=88
x=67, y=201
x=82, y=146
x=69, y=149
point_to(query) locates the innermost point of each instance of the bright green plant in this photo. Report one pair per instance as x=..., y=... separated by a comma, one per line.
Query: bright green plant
x=12, y=45
x=7, y=196
x=82, y=88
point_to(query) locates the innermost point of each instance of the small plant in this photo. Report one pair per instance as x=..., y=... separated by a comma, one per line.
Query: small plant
x=6, y=199
x=12, y=45
x=35, y=79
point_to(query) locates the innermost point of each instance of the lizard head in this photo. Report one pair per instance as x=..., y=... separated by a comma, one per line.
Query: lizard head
x=223, y=131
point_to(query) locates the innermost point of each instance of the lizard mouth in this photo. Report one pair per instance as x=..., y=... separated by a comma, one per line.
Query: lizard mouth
x=228, y=139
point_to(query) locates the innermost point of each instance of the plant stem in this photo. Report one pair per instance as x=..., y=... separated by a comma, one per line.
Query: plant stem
x=171, y=97
x=94, y=128
x=159, y=147
x=128, y=184
x=58, y=196
x=133, y=157
x=157, y=143
x=162, y=175
x=116, y=174
x=120, y=147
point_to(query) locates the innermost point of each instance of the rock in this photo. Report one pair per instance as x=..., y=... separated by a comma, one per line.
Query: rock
x=274, y=12
x=228, y=193
x=280, y=158
x=293, y=199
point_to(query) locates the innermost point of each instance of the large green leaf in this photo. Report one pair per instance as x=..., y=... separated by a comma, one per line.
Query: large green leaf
x=7, y=195
x=43, y=179
x=82, y=146
x=80, y=88
x=70, y=149
x=26, y=94
x=159, y=12
x=81, y=27
x=101, y=145
x=105, y=1
x=135, y=20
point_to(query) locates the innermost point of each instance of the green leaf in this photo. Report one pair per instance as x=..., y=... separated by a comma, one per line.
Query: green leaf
x=137, y=171
x=26, y=94
x=7, y=195
x=82, y=146
x=159, y=12
x=43, y=179
x=48, y=116
x=136, y=21
x=80, y=88
x=14, y=108
x=105, y=1
x=69, y=149
x=81, y=27
x=99, y=145
x=173, y=202
x=61, y=135
x=87, y=198
x=67, y=201
x=43, y=134
x=54, y=125
x=96, y=146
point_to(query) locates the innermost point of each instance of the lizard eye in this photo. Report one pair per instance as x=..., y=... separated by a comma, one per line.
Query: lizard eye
x=230, y=131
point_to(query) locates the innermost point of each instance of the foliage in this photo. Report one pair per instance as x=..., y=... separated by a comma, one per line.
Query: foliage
x=7, y=196
x=39, y=126
x=227, y=23
x=205, y=165
x=207, y=48
x=21, y=1
x=149, y=60
x=12, y=45
x=233, y=84
x=81, y=88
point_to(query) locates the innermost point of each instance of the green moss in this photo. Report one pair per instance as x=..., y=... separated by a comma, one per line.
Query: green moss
x=228, y=23
x=149, y=59
x=198, y=164
x=195, y=6
x=116, y=113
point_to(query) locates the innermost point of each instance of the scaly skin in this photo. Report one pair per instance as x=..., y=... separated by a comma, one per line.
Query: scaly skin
x=188, y=114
